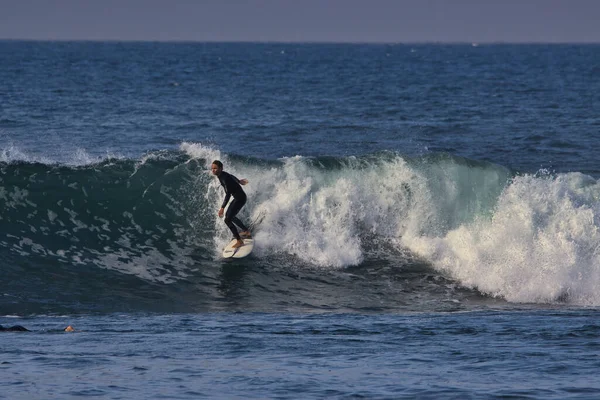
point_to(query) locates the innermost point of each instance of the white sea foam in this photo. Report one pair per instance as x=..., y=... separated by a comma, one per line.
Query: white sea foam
x=324, y=215
x=320, y=215
x=198, y=150
x=541, y=245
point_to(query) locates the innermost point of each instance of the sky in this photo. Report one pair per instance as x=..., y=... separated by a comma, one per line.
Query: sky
x=362, y=21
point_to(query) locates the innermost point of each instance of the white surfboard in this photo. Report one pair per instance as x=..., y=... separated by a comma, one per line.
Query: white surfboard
x=240, y=252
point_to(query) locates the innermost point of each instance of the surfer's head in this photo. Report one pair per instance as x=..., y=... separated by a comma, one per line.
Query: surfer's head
x=216, y=167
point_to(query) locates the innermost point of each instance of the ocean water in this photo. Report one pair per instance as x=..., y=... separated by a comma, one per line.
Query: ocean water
x=426, y=220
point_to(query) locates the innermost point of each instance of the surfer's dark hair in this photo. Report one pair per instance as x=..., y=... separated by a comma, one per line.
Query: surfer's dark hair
x=218, y=164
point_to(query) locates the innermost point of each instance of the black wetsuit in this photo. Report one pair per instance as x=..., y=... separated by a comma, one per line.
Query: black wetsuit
x=232, y=187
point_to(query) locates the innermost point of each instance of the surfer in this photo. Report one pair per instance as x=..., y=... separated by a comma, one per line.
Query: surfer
x=19, y=328
x=232, y=187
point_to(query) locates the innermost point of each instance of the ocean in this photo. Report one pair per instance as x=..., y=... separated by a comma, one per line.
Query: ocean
x=426, y=219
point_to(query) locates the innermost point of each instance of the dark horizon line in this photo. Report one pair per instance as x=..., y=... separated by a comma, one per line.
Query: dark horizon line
x=312, y=42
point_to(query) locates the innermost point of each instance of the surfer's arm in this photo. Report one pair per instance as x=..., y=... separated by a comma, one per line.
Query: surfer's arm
x=240, y=181
x=222, y=209
x=227, y=197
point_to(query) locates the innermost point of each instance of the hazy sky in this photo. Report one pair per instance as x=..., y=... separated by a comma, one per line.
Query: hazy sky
x=304, y=20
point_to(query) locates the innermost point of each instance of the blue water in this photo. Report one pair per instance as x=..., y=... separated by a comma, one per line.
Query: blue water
x=426, y=218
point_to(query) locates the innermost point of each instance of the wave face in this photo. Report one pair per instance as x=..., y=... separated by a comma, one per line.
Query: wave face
x=124, y=234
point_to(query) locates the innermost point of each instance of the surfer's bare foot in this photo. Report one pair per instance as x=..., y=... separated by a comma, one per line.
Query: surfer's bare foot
x=237, y=244
x=246, y=234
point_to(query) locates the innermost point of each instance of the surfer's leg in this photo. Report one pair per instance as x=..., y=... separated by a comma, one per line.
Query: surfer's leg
x=245, y=232
x=232, y=228
x=239, y=224
x=231, y=220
